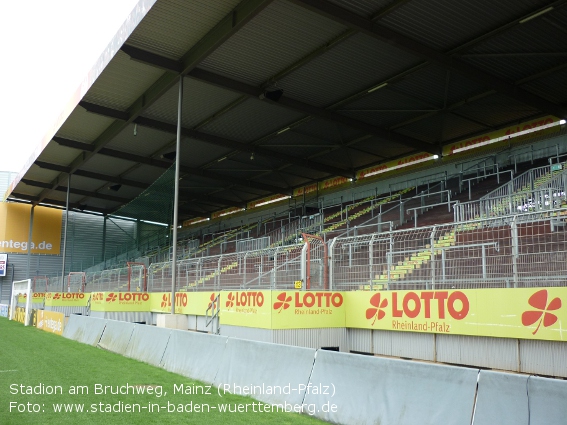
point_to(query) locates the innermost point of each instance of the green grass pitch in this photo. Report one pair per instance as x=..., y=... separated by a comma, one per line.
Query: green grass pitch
x=32, y=360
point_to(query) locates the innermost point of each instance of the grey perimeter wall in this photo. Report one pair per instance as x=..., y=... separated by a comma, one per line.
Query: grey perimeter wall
x=547, y=358
x=337, y=387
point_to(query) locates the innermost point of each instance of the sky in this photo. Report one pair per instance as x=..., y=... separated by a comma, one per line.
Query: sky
x=48, y=48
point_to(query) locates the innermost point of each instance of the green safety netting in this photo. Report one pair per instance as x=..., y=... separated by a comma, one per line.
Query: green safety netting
x=155, y=203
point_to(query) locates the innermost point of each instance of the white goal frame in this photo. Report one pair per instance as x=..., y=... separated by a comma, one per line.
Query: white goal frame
x=21, y=287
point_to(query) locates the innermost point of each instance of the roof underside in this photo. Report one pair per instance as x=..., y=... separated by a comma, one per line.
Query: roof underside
x=453, y=69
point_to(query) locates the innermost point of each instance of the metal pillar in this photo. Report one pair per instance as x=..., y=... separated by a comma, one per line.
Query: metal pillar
x=515, y=250
x=103, y=242
x=432, y=242
x=65, y=234
x=30, y=243
x=176, y=194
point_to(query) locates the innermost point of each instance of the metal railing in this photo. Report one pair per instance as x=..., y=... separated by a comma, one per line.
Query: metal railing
x=522, y=251
x=545, y=192
x=519, y=250
x=535, y=178
x=497, y=174
x=275, y=267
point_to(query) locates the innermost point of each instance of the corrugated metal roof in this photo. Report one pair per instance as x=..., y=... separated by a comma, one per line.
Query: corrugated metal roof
x=366, y=8
x=336, y=67
x=83, y=126
x=194, y=152
x=144, y=173
x=357, y=64
x=146, y=141
x=107, y=165
x=515, y=68
x=55, y=154
x=382, y=119
x=252, y=120
x=382, y=147
x=489, y=110
x=502, y=55
x=327, y=131
x=172, y=27
x=200, y=101
x=24, y=189
x=445, y=24
x=41, y=174
x=303, y=145
x=442, y=127
x=91, y=185
x=275, y=39
x=344, y=158
x=387, y=99
x=551, y=87
x=122, y=82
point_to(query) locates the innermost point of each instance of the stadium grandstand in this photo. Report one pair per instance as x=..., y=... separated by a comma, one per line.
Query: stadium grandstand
x=383, y=178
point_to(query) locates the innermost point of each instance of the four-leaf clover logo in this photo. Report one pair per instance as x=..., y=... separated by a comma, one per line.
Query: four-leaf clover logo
x=111, y=297
x=230, y=301
x=164, y=300
x=377, y=312
x=282, y=303
x=212, y=299
x=57, y=296
x=539, y=301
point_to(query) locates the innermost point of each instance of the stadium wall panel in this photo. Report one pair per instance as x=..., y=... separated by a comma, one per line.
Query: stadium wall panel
x=392, y=391
x=85, y=329
x=312, y=338
x=68, y=310
x=193, y=354
x=543, y=357
x=501, y=399
x=360, y=340
x=148, y=344
x=254, y=334
x=125, y=316
x=497, y=353
x=546, y=401
x=276, y=373
x=116, y=336
x=411, y=345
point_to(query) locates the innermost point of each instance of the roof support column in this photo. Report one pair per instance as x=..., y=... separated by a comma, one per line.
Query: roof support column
x=65, y=234
x=28, y=274
x=176, y=194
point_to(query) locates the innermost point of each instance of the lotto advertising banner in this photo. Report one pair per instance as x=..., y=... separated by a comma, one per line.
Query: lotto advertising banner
x=247, y=308
x=120, y=301
x=194, y=303
x=283, y=309
x=306, y=309
x=15, y=227
x=512, y=134
x=387, y=167
x=50, y=321
x=66, y=299
x=37, y=298
x=526, y=313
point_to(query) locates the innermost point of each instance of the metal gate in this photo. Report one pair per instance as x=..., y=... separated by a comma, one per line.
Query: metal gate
x=315, y=263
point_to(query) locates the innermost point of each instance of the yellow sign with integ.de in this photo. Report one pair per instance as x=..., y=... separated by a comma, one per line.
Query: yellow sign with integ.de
x=15, y=225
